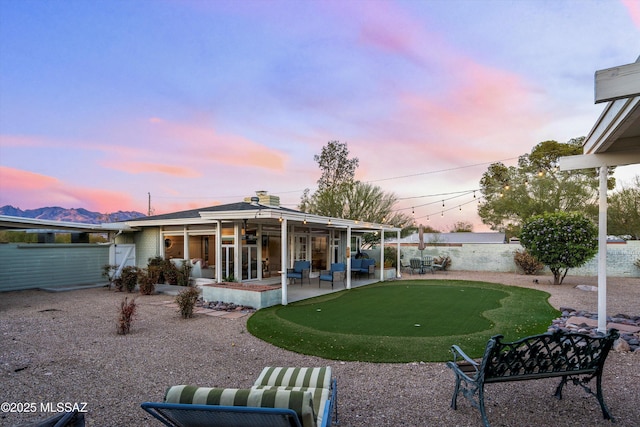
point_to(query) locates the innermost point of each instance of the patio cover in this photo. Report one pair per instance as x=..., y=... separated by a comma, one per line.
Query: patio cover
x=614, y=140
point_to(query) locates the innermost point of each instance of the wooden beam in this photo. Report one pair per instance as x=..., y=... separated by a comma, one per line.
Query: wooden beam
x=586, y=161
x=617, y=83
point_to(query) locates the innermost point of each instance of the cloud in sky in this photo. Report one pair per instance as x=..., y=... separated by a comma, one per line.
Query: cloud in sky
x=201, y=103
x=33, y=190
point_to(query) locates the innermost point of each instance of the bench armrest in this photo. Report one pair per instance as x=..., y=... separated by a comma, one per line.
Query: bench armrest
x=467, y=367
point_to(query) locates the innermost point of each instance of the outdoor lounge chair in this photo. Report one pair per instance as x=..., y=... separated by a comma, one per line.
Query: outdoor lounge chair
x=300, y=397
x=337, y=272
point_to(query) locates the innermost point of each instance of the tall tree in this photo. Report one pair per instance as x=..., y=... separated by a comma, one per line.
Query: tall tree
x=536, y=186
x=340, y=195
x=624, y=212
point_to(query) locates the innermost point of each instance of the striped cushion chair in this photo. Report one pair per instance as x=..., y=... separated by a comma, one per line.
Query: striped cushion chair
x=317, y=381
x=187, y=405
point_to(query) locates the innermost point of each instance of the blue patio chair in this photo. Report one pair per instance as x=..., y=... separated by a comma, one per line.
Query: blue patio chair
x=337, y=272
x=300, y=270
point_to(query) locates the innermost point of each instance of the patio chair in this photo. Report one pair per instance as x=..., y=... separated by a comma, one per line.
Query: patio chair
x=280, y=397
x=65, y=419
x=416, y=264
x=300, y=271
x=337, y=272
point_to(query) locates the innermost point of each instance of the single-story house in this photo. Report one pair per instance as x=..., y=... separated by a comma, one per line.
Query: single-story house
x=250, y=240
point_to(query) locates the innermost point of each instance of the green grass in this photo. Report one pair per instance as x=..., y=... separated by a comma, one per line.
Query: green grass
x=404, y=321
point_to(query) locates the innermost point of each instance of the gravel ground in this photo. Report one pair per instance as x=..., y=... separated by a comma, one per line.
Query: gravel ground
x=62, y=347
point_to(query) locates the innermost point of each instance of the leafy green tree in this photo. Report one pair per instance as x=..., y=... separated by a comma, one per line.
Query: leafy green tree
x=560, y=240
x=623, y=212
x=514, y=194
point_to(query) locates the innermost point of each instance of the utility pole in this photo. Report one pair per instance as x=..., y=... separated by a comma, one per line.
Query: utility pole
x=149, y=208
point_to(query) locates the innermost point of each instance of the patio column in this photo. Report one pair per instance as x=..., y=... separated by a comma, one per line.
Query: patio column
x=382, y=254
x=218, y=251
x=602, y=252
x=237, y=252
x=348, y=261
x=185, y=240
x=283, y=268
x=398, y=265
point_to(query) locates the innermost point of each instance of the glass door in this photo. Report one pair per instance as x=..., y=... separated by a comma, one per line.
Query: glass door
x=249, y=262
x=227, y=263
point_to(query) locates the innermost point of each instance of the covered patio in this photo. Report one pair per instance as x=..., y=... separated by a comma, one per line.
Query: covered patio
x=256, y=241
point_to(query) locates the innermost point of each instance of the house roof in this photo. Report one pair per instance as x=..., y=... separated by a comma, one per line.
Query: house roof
x=453, y=238
x=255, y=212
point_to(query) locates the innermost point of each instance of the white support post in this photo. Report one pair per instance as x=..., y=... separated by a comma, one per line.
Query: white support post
x=283, y=256
x=398, y=265
x=348, y=252
x=382, y=255
x=259, y=251
x=218, y=251
x=185, y=246
x=602, y=252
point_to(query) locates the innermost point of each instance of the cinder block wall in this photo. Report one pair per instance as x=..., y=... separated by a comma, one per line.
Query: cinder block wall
x=499, y=257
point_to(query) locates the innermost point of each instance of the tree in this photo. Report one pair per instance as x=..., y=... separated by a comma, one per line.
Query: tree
x=462, y=227
x=339, y=195
x=560, y=240
x=536, y=186
x=624, y=212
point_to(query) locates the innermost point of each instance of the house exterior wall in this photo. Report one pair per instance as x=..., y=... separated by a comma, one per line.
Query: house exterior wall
x=499, y=257
x=30, y=266
x=147, y=245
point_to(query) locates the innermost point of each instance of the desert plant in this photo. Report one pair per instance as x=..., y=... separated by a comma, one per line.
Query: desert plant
x=108, y=272
x=527, y=262
x=637, y=263
x=184, y=273
x=186, y=300
x=156, y=266
x=170, y=272
x=147, y=279
x=128, y=279
x=390, y=256
x=126, y=315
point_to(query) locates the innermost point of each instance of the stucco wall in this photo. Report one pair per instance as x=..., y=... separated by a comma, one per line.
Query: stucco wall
x=499, y=257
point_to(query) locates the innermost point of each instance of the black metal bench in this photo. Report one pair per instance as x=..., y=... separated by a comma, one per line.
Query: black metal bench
x=572, y=356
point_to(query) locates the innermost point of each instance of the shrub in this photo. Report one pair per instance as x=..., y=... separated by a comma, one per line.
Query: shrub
x=560, y=240
x=390, y=256
x=186, y=300
x=637, y=263
x=527, y=262
x=147, y=280
x=156, y=266
x=126, y=316
x=108, y=272
x=184, y=273
x=128, y=279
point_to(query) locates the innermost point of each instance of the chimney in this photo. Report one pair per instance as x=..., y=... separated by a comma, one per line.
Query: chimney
x=263, y=198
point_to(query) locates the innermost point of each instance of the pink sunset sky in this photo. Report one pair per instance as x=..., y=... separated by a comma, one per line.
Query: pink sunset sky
x=199, y=103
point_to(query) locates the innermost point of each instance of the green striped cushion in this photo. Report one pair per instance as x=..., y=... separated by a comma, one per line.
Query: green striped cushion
x=320, y=397
x=295, y=377
x=299, y=401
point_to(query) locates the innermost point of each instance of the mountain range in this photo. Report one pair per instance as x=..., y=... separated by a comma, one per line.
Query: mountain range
x=81, y=215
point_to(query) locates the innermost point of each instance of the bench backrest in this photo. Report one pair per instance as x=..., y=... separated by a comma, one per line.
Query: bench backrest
x=545, y=355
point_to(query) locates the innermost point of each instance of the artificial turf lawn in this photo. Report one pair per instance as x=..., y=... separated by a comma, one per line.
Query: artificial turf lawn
x=404, y=321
